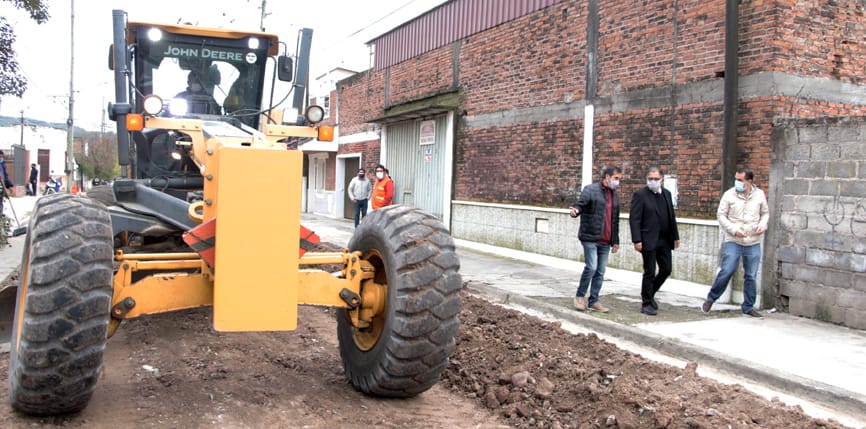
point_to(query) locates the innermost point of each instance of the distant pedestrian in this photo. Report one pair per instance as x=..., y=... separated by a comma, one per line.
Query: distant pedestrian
x=360, y=190
x=598, y=208
x=743, y=215
x=7, y=184
x=383, y=191
x=654, y=234
x=34, y=180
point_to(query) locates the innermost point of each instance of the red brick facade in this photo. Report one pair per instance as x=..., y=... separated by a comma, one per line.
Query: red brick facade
x=655, y=52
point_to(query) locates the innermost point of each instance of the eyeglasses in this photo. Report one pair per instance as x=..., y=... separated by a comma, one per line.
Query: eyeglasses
x=654, y=179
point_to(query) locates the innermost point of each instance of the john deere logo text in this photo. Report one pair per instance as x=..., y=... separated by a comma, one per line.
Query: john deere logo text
x=213, y=54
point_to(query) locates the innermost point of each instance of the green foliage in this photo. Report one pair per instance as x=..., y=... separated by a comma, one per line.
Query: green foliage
x=101, y=159
x=11, y=80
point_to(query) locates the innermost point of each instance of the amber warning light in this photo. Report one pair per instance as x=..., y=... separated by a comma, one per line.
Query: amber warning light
x=326, y=133
x=134, y=122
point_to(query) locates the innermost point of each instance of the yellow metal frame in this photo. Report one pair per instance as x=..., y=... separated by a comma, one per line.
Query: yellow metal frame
x=167, y=289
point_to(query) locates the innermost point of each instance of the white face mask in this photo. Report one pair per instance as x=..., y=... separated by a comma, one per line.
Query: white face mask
x=195, y=87
x=380, y=175
x=654, y=185
x=613, y=184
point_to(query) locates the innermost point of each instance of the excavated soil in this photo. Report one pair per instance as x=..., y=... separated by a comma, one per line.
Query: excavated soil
x=509, y=370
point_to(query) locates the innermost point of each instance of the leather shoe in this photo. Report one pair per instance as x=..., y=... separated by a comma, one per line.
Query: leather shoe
x=648, y=310
x=599, y=308
x=579, y=303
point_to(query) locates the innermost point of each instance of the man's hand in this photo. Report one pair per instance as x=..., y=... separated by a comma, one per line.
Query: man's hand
x=615, y=248
x=759, y=230
x=575, y=212
x=638, y=246
x=676, y=244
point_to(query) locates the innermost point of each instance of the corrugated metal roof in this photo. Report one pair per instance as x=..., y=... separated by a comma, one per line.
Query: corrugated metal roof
x=451, y=21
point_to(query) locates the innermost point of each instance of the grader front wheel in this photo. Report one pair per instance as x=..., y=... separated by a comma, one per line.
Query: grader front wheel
x=62, y=310
x=407, y=344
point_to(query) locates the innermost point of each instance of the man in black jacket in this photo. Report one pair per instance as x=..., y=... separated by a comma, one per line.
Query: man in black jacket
x=654, y=234
x=34, y=180
x=598, y=208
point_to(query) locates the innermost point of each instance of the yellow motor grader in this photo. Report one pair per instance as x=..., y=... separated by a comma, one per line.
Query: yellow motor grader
x=194, y=221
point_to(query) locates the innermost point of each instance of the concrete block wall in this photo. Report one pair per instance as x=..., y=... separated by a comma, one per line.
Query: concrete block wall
x=821, y=228
x=553, y=232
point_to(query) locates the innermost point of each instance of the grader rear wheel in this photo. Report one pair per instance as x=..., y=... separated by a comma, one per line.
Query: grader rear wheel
x=404, y=350
x=62, y=310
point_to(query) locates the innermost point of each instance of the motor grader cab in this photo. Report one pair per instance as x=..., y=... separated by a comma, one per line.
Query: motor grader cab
x=195, y=222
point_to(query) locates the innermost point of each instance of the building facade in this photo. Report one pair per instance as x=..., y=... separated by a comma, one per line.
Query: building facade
x=494, y=118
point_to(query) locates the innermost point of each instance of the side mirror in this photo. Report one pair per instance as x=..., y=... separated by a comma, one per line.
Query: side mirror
x=284, y=68
x=111, y=57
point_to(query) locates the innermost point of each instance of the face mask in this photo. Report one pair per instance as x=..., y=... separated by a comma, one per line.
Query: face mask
x=613, y=184
x=360, y=175
x=739, y=186
x=195, y=87
x=654, y=185
x=380, y=175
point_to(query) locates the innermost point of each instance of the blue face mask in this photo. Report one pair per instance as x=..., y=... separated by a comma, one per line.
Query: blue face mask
x=739, y=186
x=360, y=175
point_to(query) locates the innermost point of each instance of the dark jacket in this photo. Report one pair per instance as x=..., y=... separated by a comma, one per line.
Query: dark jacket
x=34, y=175
x=591, y=204
x=645, y=218
x=5, y=177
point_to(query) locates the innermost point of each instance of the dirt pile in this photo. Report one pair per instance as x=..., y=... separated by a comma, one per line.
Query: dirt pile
x=534, y=374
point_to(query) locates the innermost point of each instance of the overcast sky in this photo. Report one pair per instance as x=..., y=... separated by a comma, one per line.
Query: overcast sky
x=340, y=28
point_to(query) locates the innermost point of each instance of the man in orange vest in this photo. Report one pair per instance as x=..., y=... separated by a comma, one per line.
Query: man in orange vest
x=383, y=192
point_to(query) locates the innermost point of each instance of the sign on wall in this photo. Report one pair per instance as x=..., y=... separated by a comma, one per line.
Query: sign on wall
x=427, y=135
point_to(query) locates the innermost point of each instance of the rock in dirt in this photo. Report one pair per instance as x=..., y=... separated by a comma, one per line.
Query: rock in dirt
x=545, y=388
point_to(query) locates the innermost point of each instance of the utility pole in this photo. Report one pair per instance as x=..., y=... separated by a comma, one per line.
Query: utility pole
x=70, y=158
x=22, y=128
x=264, y=14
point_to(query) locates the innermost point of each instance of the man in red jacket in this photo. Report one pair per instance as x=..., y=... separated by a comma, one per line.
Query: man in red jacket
x=383, y=192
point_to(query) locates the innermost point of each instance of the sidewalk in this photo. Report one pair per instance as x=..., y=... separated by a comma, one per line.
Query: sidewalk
x=817, y=362
x=814, y=361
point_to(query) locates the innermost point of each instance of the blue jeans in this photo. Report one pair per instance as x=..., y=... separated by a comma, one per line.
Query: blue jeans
x=595, y=256
x=731, y=253
x=360, y=211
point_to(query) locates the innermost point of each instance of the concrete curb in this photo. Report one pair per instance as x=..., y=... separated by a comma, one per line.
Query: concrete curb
x=829, y=396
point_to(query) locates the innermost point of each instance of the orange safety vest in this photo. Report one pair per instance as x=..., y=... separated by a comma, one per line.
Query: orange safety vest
x=383, y=193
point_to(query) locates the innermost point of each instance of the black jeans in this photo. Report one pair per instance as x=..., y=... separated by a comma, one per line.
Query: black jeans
x=32, y=186
x=653, y=281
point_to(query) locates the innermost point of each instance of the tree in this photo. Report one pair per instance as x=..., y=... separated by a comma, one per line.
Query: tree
x=101, y=158
x=11, y=80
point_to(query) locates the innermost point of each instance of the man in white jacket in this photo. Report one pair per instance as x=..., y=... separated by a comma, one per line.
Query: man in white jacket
x=360, y=190
x=743, y=215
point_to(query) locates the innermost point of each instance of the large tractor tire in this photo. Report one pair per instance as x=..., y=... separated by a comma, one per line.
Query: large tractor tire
x=102, y=193
x=63, y=305
x=409, y=342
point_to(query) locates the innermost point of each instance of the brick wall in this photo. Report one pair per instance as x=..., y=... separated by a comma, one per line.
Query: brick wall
x=519, y=130
x=369, y=151
x=820, y=208
x=540, y=60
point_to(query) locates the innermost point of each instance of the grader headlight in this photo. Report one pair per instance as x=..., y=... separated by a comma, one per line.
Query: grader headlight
x=315, y=114
x=153, y=105
x=154, y=34
x=178, y=107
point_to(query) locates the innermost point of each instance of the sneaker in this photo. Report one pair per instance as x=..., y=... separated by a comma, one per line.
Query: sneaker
x=579, y=303
x=706, y=306
x=648, y=310
x=599, y=308
x=754, y=314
